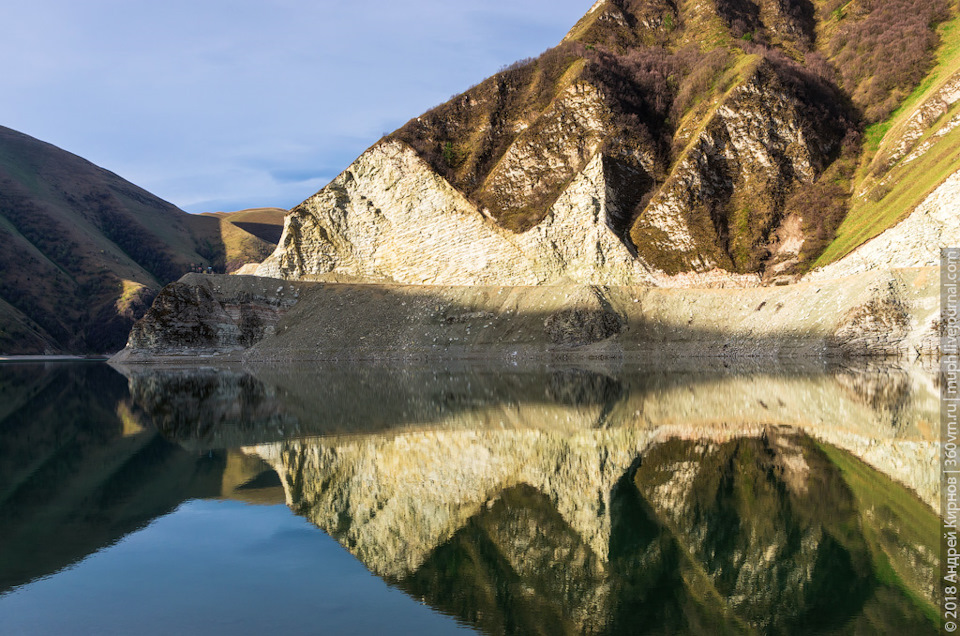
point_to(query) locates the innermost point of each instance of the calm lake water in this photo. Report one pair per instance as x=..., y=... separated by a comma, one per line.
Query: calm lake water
x=365, y=500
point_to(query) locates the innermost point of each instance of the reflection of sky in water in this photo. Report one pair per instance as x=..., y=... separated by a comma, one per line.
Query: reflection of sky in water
x=218, y=567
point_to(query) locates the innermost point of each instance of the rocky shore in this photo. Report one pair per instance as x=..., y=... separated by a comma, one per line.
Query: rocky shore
x=890, y=313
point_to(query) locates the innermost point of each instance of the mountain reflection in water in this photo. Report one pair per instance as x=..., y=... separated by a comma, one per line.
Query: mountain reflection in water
x=518, y=501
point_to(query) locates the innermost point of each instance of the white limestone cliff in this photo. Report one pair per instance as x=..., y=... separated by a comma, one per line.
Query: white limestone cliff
x=390, y=217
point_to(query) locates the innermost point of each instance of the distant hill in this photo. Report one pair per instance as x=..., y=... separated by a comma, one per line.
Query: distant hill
x=247, y=236
x=85, y=251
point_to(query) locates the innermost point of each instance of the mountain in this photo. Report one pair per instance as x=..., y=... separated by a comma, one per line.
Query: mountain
x=661, y=142
x=85, y=251
x=246, y=236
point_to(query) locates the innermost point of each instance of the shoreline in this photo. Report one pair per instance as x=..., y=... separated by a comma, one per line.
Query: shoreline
x=56, y=358
x=211, y=319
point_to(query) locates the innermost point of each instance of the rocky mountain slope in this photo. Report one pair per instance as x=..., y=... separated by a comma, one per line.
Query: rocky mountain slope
x=666, y=143
x=85, y=252
x=729, y=144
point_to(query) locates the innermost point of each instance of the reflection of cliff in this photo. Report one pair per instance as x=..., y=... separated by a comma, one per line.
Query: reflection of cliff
x=80, y=468
x=601, y=500
x=625, y=532
x=884, y=415
x=552, y=501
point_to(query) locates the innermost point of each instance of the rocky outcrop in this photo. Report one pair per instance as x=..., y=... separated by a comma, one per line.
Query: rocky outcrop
x=615, y=163
x=319, y=321
x=923, y=118
x=203, y=315
x=574, y=168
x=549, y=152
x=726, y=193
x=390, y=217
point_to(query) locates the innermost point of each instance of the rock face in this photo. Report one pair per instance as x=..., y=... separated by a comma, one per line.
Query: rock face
x=390, y=217
x=933, y=108
x=608, y=160
x=627, y=155
x=195, y=317
x=886, y=313
x=726, y=192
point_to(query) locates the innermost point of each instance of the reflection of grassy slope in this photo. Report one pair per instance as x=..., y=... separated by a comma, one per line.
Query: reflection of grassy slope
x=901, y=531
x=70, y=482
x=744, y=506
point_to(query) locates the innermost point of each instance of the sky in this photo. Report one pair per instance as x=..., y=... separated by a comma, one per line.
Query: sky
x=230, y=104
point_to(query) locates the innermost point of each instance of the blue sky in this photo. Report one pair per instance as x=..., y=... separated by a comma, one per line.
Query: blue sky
x=226, y=104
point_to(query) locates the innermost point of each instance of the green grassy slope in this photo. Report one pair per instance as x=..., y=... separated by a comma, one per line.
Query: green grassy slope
x=885, y=192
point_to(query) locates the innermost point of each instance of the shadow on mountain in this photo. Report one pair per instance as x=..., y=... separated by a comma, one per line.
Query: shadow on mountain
x=268, y=232
x=263, y=320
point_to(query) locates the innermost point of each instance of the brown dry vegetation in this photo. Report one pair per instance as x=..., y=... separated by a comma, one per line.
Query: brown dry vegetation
x=84, y=252
x=661, y=69
x=882, y=49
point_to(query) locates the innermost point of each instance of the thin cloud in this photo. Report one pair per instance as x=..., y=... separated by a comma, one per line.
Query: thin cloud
x=181, y=97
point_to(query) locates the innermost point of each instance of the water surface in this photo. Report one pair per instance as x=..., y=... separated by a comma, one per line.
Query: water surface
x=414, y=500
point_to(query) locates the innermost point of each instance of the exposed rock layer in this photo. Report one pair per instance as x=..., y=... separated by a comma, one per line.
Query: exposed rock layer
x=883, y=313
x=390, y=217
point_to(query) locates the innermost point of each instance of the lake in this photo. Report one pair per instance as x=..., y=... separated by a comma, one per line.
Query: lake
x=353, y=499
